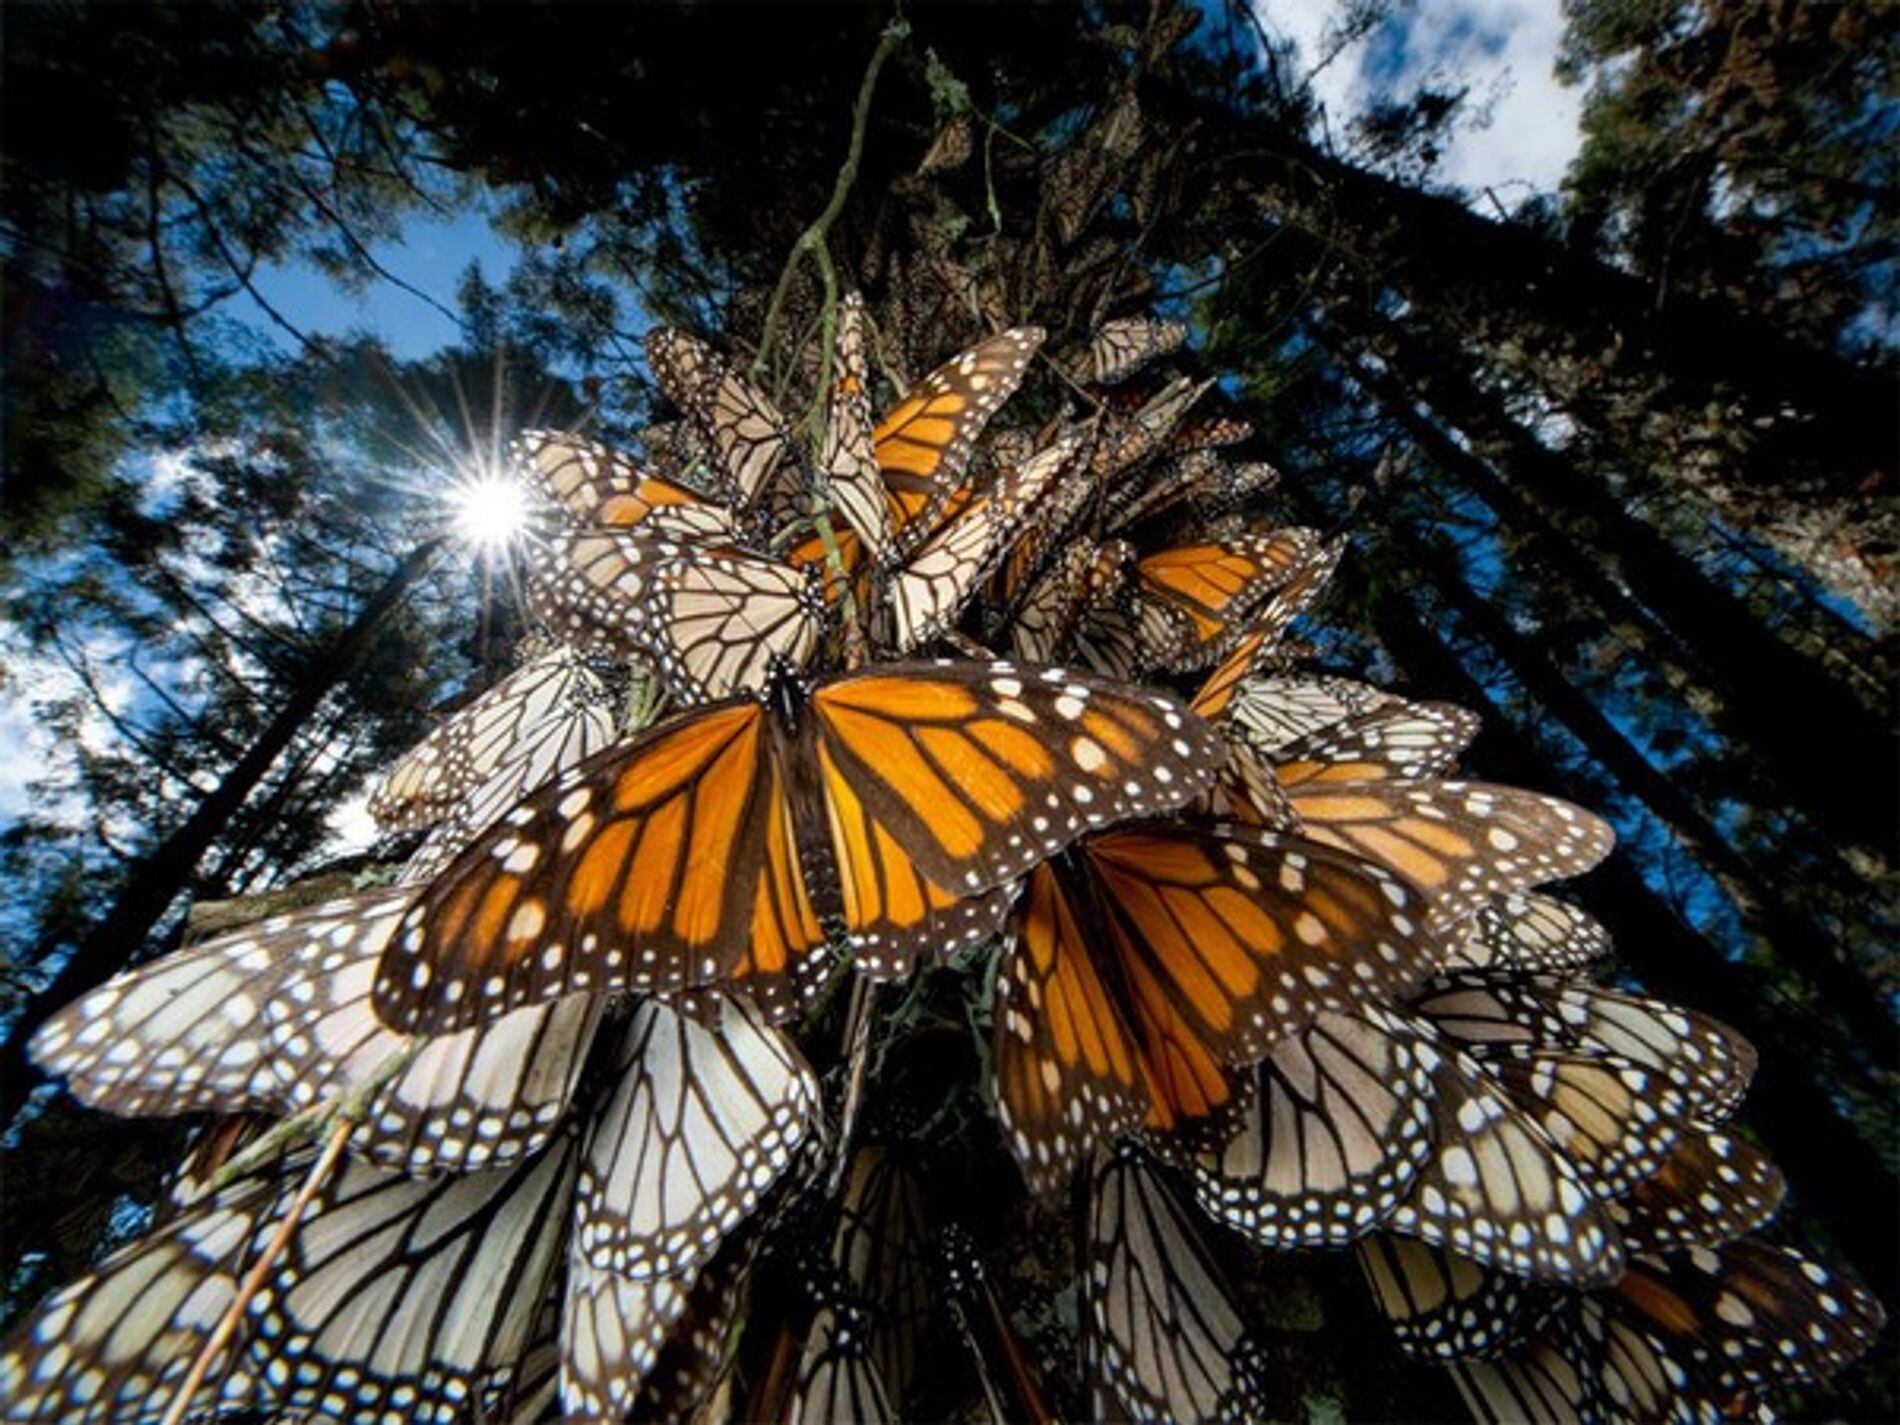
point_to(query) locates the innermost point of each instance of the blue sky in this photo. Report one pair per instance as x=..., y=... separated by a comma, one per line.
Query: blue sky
x=1504, y=51
x=431, y=256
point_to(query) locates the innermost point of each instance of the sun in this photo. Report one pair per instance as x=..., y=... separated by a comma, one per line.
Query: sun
x=488, y=509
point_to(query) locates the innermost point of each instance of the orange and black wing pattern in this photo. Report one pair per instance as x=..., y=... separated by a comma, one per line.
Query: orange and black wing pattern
x=1160, y=954
x=638, y=870
x=1254, y=650
x=893, y=913
x=1069, y=1073
x=977, y=771
x=1217, y=584
x=1243, y=936
x=592, y=484
x=924, y=444
x=1458, y=842
x=1398, y=741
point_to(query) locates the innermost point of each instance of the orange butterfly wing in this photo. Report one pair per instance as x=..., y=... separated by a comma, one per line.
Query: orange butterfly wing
x=978, y=771
x=893, y=913
x=924, y=444
x=1235, y=938
x=594, y=484
x=1218, y=583
x=1457, y=842
x=1069, y=1074
x=638, y=870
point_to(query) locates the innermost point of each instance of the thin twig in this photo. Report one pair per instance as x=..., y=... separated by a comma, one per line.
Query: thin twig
x=348, y=1108
x=857, y=1038
x=812, y=245
x=813, y=238
x=254, y=1279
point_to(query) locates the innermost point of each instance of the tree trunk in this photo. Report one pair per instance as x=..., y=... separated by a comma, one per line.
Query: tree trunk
x=160, y=877
x=1821, y=742
x=1790, y=442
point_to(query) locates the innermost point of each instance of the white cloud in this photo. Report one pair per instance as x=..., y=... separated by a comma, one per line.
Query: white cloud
x=1503, y=51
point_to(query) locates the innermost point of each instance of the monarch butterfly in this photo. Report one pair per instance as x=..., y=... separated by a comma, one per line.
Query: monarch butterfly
x=951, y=148
x=573, y=728
x=115, y=1344
x=1072, y=188
x=925, y=595
x=880, y=1244
x=695, y=1352
x=1336, y=1128
x=1538, y=1381
x=1129, y=637
x=1206, y=432
x=1235, y=485
x=932, y=538
x=746, y=432
x=1695, y=1336
x=1222, y=697
x=1088, y=575
x=1126, y=441
x=1378, y=1117
x=1761, y=1314
x=1445, y=1307
x=849, y=454
x=591, y=484
x=923, y=444
x=1400, y=739
x=708, y=1120
x=702, y=1120
x=1365, y=784
x=613, y=1329
x=440, y=1315
x=716, y=845
x=397, y=1293
x=1702, y=1062
x=1712, y=1188
x=1459, y=842
x=1161, y=1327
x=1615, y=1121
x=1123, y=346
x=1496, y=1189
x=1524, y=930
x=1043, y=543
x=1185, y=477
x=1217, y=585
x=716, y=622
x=1396, y=739
x=547, y=713
x=1156, y=955
x=276, y=1017
x=838, y=1380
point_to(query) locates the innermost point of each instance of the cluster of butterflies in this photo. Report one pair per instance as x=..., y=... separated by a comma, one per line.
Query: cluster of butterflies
x=1019, y=703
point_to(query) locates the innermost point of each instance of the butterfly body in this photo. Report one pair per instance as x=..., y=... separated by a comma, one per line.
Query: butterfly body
x=707, y=849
